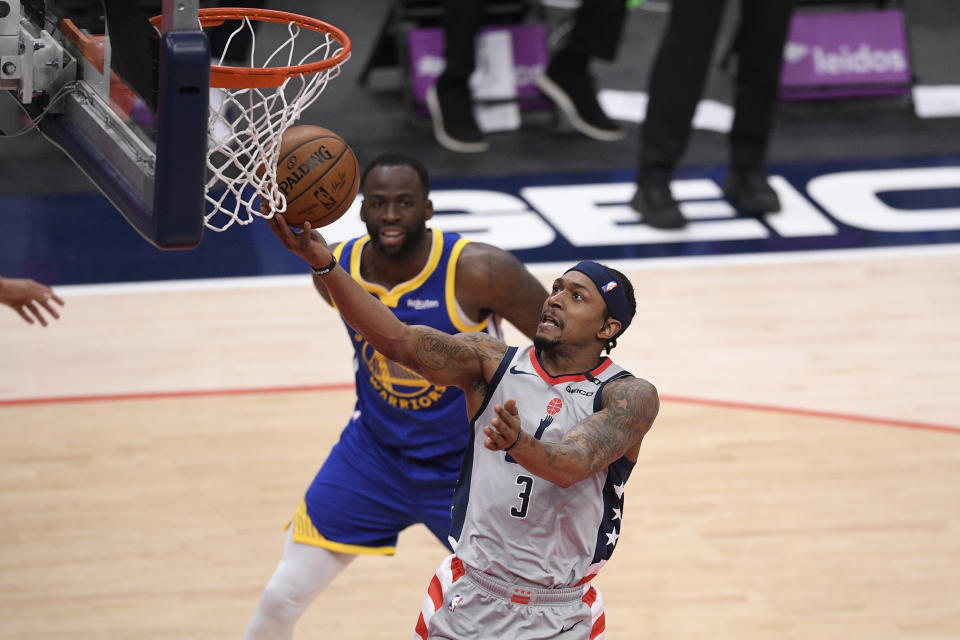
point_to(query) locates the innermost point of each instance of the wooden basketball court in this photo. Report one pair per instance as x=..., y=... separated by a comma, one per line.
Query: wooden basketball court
x=802, y=480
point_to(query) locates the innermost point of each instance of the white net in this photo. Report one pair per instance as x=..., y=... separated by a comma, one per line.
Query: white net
x=246, y=125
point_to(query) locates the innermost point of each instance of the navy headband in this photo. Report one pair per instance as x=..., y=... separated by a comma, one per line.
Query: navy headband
x=613, y=294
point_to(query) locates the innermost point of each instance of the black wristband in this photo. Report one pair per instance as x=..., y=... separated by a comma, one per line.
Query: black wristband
x=519, y=433
x=325, y=270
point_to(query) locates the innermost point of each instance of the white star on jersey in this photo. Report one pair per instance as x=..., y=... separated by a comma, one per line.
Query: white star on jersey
x=619, y=489
x=616, y=514
x=612, y=537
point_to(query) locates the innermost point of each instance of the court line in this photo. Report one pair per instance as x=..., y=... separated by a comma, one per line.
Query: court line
x=155, y=395
x=344, y=386
x=814, y=413
x=540, y=268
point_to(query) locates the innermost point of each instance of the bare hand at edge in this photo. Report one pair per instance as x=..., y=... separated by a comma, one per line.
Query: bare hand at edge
x=26, y=296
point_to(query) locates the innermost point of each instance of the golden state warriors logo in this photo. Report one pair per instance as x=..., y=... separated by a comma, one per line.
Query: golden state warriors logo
x=397, y=385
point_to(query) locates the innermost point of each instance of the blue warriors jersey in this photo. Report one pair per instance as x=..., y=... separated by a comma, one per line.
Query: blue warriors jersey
x=398, y=407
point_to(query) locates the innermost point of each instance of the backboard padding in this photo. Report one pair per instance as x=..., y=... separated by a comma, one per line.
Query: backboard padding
x=136, y=121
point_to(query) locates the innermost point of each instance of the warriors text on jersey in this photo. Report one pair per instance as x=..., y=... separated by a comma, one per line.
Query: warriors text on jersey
x=403, y=410
x=521, y=528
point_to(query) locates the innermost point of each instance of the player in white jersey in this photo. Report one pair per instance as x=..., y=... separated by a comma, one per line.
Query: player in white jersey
x=533, y=526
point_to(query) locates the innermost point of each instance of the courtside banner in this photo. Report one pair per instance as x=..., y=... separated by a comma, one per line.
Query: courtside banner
x=845, y=54
x=558, y=218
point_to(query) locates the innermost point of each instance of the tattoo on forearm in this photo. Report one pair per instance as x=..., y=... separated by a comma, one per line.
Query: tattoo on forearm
x=457, y=359
x=437, y=351
x=629, y=410
x=549, y=452
x=486, y=347
x=597, y=441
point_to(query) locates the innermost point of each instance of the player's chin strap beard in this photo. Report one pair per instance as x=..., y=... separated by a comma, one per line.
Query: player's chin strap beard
x=543, y=344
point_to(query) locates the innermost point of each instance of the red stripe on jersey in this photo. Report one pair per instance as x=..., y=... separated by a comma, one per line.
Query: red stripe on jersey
x=456, y=567
x=586, y=579
x=598, y=626
x=574, y=377
x=421, y=629
x=435, y=591
x=590, y=597
x=520, y=599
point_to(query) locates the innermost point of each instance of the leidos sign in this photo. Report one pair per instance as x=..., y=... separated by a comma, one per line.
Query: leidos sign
x=551, y=223
x=845, y=54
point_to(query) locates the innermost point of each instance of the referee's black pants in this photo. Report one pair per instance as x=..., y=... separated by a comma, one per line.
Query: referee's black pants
x=679, y=74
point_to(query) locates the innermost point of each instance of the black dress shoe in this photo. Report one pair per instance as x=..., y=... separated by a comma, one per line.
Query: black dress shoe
x=750, y=193
x=656, y=206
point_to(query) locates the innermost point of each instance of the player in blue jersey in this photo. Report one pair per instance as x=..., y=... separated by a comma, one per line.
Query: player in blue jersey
x=556, y=431
x=411, y=431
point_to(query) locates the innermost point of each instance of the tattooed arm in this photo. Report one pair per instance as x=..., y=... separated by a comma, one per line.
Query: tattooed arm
x=630, y=406
x=466, y=360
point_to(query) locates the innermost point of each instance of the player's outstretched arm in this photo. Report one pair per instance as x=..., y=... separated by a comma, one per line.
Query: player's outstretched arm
x=26, y=297
x=443, y=359
x=492, y=280
x=318, y=280
x=629, y=408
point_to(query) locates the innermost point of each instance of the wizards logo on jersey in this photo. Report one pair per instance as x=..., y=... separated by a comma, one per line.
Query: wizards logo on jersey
x=399, y=386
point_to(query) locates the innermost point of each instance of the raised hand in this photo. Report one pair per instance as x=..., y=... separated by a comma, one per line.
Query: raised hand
x=26, y=296
x=308, y=244
x=504, y=431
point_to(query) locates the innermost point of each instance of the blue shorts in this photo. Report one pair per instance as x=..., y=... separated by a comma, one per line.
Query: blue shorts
x=365, y=494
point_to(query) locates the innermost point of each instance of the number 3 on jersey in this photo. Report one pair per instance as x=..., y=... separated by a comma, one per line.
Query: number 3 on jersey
x=521, y=511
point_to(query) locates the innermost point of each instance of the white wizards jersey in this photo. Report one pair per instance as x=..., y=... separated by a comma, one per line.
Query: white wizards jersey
x=516, y=526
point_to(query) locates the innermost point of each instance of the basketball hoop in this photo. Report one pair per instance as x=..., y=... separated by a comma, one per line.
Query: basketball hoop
x=260, y=102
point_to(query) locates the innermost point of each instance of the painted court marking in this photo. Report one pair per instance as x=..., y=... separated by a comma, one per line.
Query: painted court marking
x=344, y=386
x=540, y=268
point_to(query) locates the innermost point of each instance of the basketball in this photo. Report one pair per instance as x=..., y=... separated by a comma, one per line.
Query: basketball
x=318, y=173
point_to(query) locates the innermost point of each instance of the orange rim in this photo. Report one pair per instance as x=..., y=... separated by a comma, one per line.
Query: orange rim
x=257, y=77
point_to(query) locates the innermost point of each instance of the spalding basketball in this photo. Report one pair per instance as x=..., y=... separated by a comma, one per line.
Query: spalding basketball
x=318, y=174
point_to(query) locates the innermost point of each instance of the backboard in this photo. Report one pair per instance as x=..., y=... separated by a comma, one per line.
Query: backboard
x=129, y=106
